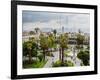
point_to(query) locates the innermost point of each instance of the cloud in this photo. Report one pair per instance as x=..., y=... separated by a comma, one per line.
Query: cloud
x=52, y=20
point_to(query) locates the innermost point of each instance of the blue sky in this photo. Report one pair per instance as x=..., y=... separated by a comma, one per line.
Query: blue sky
x=34, y=16
x=54, y=20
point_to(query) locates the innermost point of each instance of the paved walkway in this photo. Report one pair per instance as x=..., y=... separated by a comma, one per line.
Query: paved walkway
x=72, y=56
x=49, y=62
x=52, y=59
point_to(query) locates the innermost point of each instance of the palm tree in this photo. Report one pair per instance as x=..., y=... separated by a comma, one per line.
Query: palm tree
x=35, y=46
x=36, y=30
x=43, y=44
x=80, y=40
x=25, y=50
x=29, y=48
x=31, y=32
x=55, y=32
x=51, y=41
x=34, y=50
x=63, y=42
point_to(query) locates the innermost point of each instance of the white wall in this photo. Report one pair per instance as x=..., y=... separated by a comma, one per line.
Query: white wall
x=5, y=29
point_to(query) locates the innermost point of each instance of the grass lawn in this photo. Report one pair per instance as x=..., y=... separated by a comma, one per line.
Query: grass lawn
x=66, y=53
x=65, y=64
x=35, y=64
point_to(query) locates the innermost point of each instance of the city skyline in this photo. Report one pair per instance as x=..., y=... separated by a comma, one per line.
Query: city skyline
x=47, y=21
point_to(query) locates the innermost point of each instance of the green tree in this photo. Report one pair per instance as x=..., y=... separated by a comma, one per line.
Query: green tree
x=80, y=40
x=36, y=30
x=84, y=56
x=31, y=32
x=55, y=32
x=44, y=44
x=51, y=41
x=25, y=49
x=63, y=42
x=34, y=49
x=30, y=49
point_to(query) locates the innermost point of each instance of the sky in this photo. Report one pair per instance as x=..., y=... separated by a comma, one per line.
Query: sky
x=47, y=21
